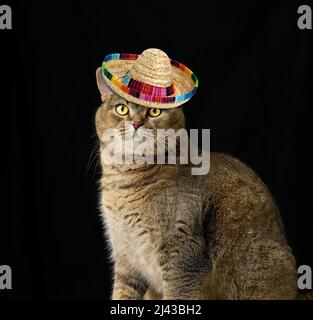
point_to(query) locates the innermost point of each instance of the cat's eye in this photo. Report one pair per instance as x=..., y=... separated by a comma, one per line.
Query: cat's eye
x=154, y=112
x=121, y=109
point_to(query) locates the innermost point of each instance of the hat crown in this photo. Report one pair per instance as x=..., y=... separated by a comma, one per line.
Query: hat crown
x=153, y=67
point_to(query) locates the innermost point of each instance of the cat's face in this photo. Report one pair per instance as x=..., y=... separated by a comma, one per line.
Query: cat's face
x=115, y=112
x=133, y=120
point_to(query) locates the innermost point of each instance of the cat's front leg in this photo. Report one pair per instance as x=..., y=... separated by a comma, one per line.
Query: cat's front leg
x=180, y=285
x=128, y=284
x=184, y=272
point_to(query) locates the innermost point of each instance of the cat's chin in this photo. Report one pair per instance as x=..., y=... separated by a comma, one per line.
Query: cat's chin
x=131, y=160
x=127, y=166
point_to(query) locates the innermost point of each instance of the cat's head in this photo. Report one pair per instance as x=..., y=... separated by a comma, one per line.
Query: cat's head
x=115, y=112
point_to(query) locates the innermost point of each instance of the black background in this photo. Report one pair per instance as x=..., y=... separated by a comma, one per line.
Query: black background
x=254, y=67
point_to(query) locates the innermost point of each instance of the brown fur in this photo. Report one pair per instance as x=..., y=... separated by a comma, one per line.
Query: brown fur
x=179, y=236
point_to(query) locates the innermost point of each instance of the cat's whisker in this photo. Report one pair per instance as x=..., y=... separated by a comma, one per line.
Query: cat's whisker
x=94, y=146
x=95, y=153
x=93, y=135
x=98, y=164
x=167, y=143
x=95, y=157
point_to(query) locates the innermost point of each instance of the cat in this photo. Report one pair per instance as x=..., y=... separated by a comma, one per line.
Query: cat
x=174, y=235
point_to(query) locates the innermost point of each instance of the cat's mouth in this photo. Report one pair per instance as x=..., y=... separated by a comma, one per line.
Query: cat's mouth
x=137, y=137
x=138, y=134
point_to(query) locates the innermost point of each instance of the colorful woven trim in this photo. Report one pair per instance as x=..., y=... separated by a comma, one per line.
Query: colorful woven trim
x=145, y=91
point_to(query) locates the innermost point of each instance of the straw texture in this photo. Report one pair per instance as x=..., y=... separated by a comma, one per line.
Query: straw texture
x=151, y=79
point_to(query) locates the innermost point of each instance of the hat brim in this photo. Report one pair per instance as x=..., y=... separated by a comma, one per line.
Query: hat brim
x=183, y=83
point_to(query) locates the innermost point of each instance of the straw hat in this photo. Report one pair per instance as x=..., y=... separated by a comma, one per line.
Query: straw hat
x=150, y=79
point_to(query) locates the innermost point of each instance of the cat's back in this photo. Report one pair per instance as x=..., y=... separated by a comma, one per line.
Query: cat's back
x=238, y=198
x=230, y=175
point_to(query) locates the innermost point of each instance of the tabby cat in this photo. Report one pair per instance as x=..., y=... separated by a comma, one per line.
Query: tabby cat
x=175, y=235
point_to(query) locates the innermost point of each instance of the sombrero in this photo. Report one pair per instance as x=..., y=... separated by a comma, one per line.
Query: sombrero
x=150, y=79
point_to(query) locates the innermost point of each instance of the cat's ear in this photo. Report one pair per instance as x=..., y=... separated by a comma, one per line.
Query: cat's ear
x=104, y=89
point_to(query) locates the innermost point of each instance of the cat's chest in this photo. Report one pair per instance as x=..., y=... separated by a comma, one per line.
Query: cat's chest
x=134, y=237
x=142, y=252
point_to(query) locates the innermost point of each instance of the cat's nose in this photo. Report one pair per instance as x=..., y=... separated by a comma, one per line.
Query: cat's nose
x=137, y=124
